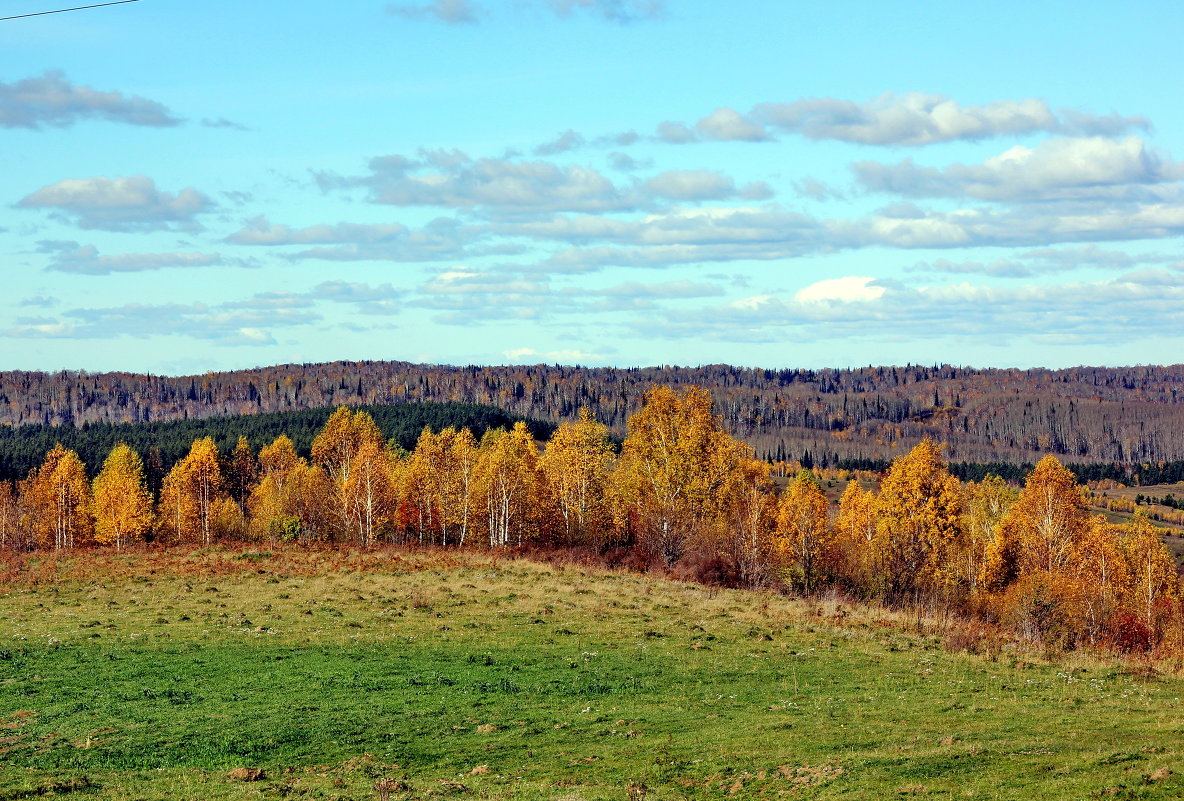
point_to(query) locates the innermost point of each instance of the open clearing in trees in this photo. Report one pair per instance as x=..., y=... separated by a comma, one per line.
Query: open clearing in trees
x=417, y=674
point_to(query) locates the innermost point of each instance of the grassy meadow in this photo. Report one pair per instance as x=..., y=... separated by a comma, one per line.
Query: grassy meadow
x=229, y=674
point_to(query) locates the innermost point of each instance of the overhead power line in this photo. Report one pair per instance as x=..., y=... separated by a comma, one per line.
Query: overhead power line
x=63, y=10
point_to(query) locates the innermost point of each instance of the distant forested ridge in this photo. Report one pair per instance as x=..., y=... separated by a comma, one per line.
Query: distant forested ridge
x=1085, y=415
x=164, y=442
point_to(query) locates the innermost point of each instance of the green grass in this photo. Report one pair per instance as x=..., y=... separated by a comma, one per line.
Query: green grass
x=480, y=678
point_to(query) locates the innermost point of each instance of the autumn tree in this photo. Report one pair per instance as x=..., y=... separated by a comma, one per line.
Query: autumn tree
x=190, y=493
x=855, y=531
x=1153, y=571
x=750, y=517
x=459, y=481
x=340, y=440
x=420, y=495
x=272, y=500
x=56, y=500
x=985, y=505
x=12, y=536
x=1040, y=529
x=242, y=471
x=336, y=449
x=917, y=520
x=369, y=494
x=121, y=505
x=578, y=464
x=804, y=535
x=511, y=486
x=675, y=462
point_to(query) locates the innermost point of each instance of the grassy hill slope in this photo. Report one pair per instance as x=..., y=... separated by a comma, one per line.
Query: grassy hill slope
x=461, y=675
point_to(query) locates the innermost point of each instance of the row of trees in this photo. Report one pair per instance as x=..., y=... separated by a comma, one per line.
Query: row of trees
x=680, y=491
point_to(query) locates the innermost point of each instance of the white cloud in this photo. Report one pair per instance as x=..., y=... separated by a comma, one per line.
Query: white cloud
x=1057, y=169
x=918, y=118
x=728, y=125
x=849, y=289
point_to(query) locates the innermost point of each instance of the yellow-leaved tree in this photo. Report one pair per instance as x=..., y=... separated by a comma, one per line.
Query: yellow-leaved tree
x=1154, y=579
x=750, y=517
x=190, y=494
x=511, y=486
x=855, y=531
x=675, y=465
x=986, y=503
x=917, y=522
x=578, y=463
x=120, y=502
x=12, y=533
x=369, y=494
x=804, y=534
x=56, y=500
x=336, y=449
x=1041, y=529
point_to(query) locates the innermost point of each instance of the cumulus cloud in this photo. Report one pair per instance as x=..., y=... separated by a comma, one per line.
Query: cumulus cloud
x=623, y=162
x=440, y=239
x=568, y=140
x=918, y=118
x=676, y=133
x=52, y=100
x=685, y=185
x=120, y=204
x=728, y=125
x=70, y=257
x=512, y=187
x=450, y=178
x=259, y=231
x=849, y=289
x=1044, y=261
x=1057, y=169
x=452, y=12
x=912, y=119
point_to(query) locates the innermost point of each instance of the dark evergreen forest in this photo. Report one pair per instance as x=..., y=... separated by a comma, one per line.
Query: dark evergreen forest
x=162, y=443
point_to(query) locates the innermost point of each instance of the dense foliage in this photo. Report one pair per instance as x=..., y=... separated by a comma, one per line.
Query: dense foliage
x=165, y=442
x=682, y=496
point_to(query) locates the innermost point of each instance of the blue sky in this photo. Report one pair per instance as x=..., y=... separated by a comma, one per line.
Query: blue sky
x=207, y=186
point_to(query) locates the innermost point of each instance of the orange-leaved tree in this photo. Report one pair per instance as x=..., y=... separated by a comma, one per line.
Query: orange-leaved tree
x=56, y=500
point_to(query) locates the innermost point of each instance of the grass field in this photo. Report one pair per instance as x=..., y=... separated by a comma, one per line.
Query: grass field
x=418, y=675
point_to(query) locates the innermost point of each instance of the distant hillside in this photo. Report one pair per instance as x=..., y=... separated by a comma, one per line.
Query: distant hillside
x=164, y=442
x=1127, y=415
